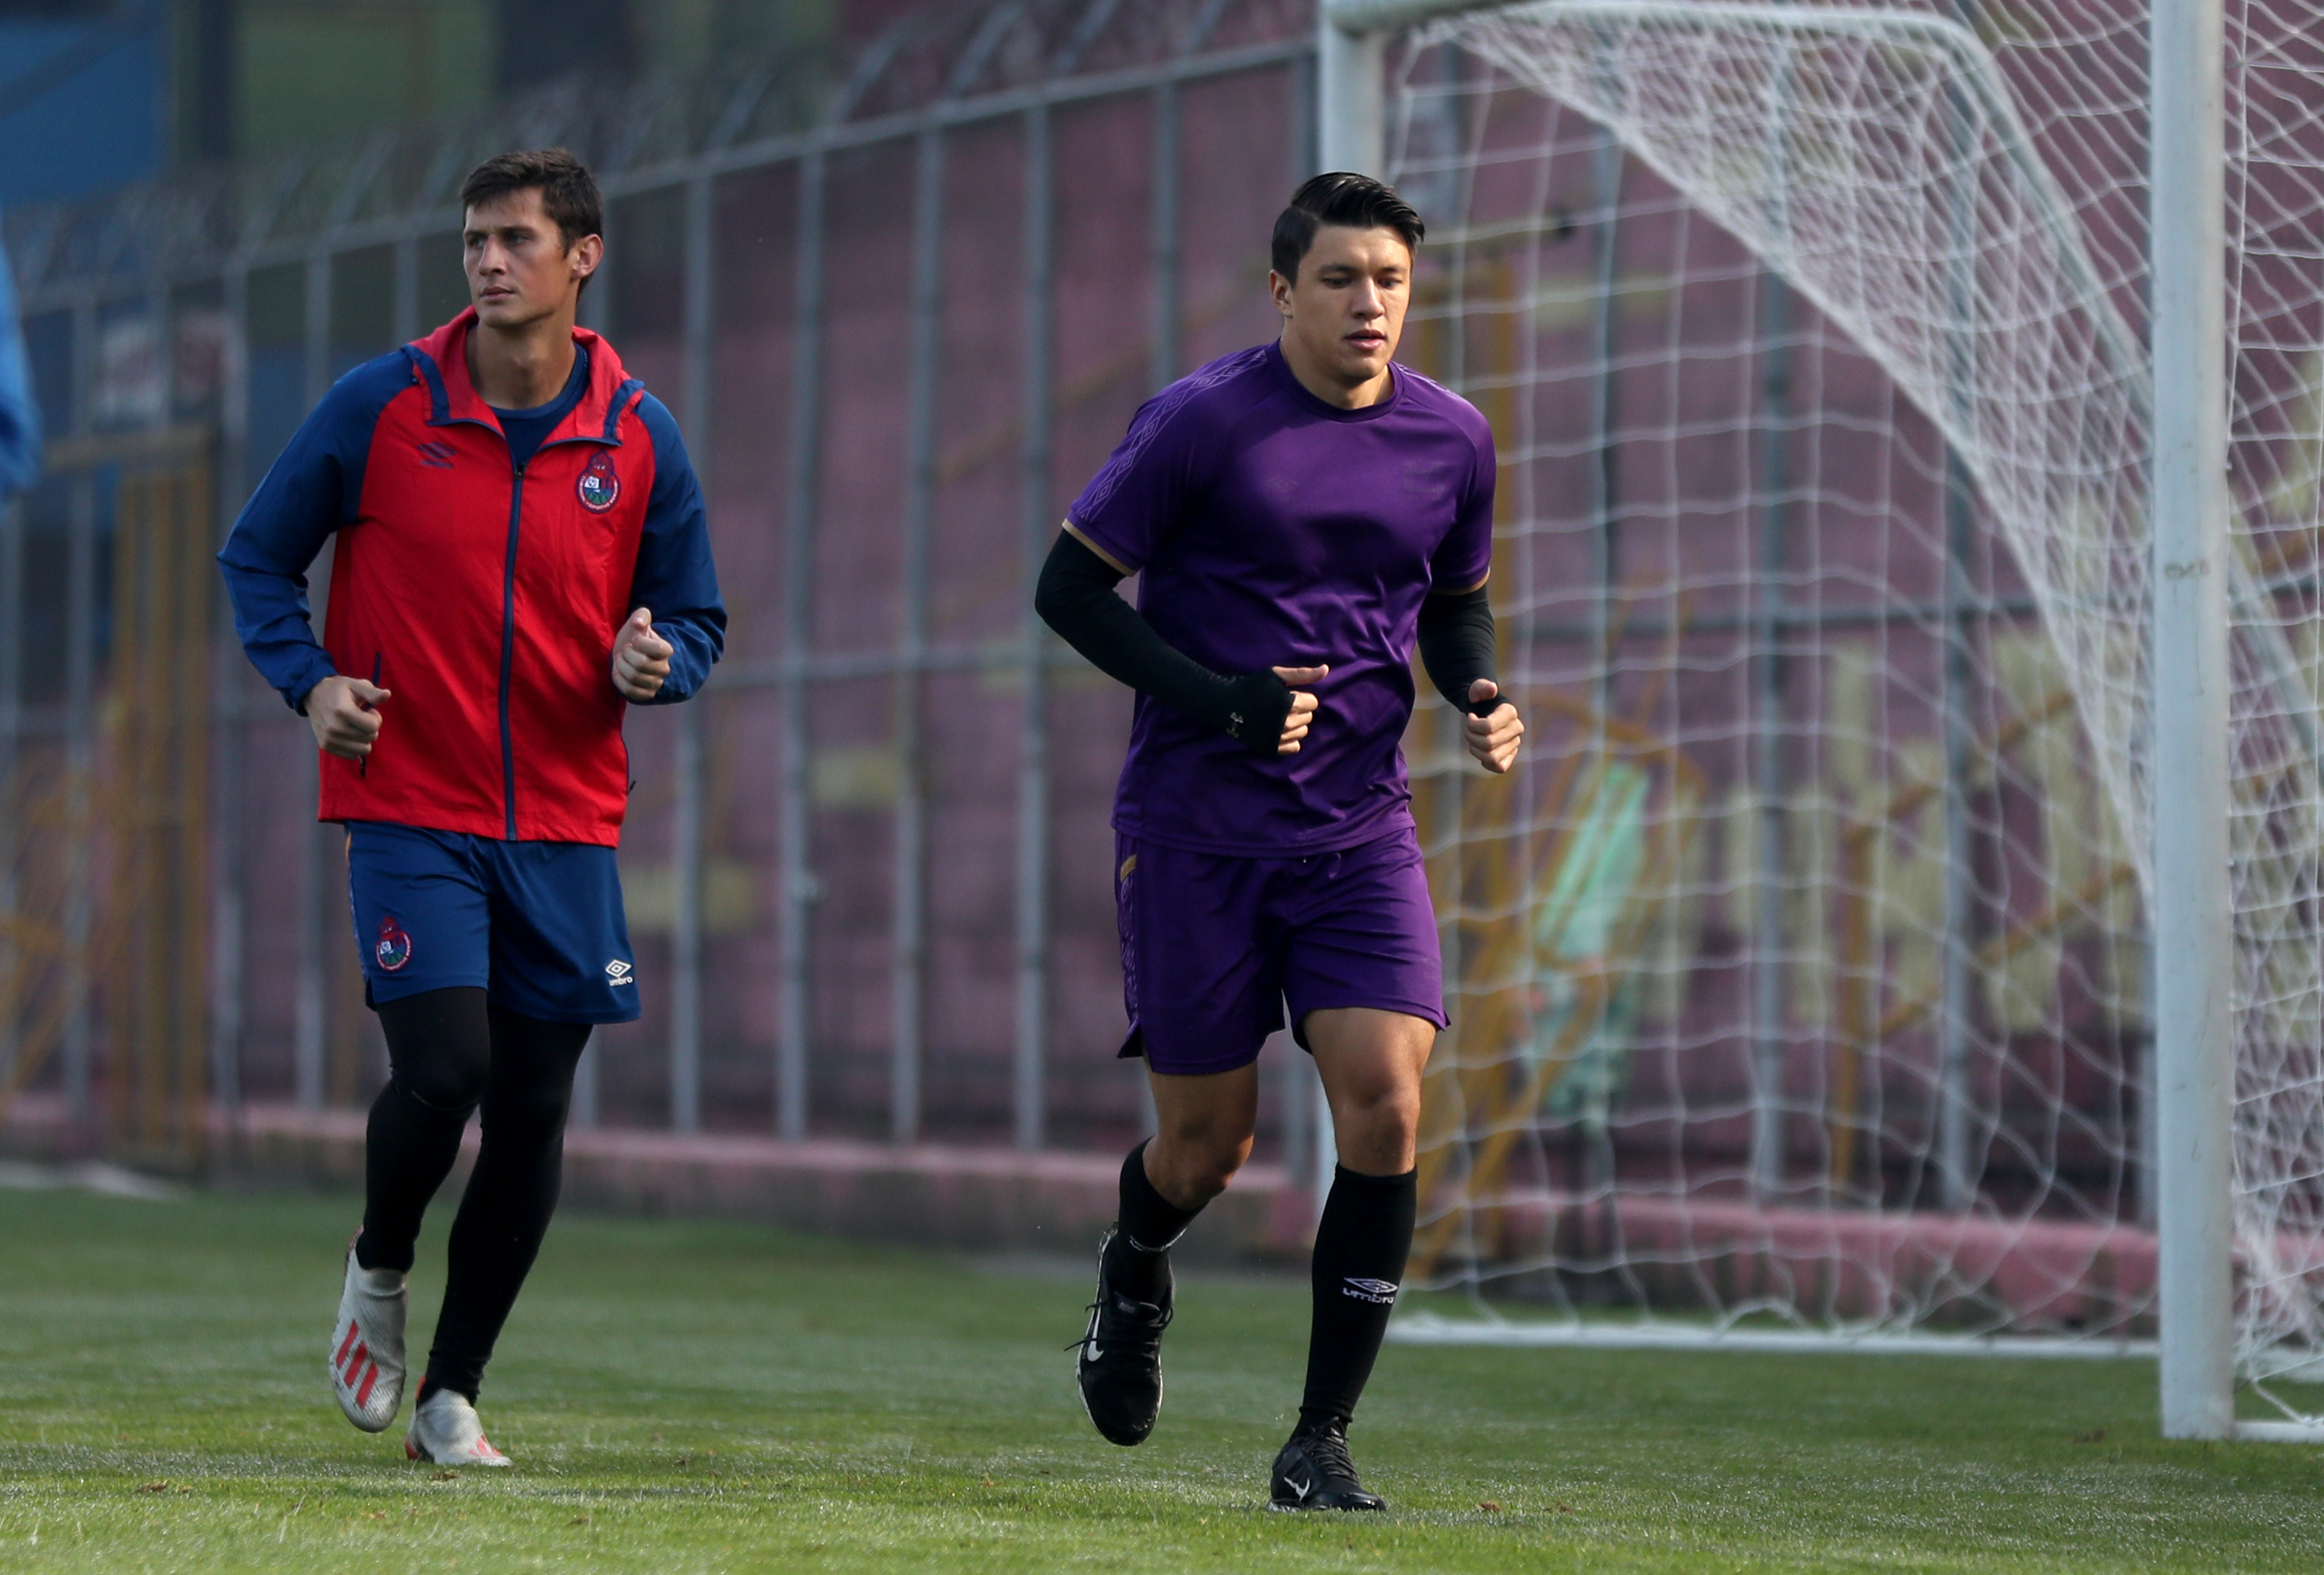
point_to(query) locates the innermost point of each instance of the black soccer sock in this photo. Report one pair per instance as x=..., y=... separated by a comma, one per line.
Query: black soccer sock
x=1361, y=1244
x=511, y=1195
x=1138, y=1259
x=439, y=1047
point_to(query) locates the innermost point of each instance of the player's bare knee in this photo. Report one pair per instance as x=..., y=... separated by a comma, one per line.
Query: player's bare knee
x=1214, y=1170
x=1191, y=1167
x=1378, y=1128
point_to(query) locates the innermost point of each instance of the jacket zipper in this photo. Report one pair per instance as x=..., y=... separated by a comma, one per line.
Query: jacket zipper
x=508, y=653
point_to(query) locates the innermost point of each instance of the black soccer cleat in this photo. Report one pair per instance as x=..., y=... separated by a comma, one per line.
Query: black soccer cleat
x=1313, y=1472
x=1119, y=1362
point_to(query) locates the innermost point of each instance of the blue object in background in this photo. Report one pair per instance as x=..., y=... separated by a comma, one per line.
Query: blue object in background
x=81, y=103
x=19, y=417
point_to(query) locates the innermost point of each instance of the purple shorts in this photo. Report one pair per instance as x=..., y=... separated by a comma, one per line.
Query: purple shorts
x=1214, y=945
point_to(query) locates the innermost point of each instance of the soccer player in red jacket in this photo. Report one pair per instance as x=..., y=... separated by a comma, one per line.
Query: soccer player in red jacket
x=521, y=554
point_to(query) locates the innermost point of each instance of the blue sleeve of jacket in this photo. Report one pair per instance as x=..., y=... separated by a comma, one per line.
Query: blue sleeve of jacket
x=312, y=490
x=20, y=417
x=676, y=580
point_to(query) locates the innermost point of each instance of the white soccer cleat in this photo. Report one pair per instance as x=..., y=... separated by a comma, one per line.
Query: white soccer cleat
x=367, y=1345
x=447, y=1432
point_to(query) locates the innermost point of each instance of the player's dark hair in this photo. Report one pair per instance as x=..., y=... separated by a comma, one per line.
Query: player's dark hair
x=1341, y=198
x=569, y=192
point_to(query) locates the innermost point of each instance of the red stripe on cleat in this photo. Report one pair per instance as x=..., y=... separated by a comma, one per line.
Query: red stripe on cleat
x=340, y=1355
x=371, y=1377
x=411, y=1449
x=354, y=1361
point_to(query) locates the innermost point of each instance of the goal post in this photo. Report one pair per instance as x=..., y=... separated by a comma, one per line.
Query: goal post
x=2169, y=575
x=2191, y=905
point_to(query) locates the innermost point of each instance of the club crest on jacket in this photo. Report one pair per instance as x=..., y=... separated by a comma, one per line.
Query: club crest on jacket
x=600, y=485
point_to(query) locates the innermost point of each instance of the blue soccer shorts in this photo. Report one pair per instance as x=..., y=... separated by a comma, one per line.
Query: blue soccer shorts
x=537, y=926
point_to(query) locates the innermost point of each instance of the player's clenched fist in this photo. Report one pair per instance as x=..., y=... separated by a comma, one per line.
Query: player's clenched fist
x=1302, y=714
x=641, y=657
x=344, y=712
x=1493, y=737
x=1270, y=711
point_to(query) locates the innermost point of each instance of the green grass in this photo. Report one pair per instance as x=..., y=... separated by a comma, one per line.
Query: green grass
x=698, y=1397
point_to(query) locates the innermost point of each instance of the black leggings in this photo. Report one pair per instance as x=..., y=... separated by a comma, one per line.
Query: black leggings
x=450, y=1052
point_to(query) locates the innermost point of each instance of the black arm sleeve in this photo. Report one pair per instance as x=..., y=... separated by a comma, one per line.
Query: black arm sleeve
x=1076, y=598
x=1456, y=644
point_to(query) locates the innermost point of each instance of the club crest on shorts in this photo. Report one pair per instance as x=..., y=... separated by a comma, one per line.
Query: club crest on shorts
x=394, y=947
x=601, y=484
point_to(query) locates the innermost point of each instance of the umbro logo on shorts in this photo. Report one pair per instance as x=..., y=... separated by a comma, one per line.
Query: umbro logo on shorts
x=1364, y=1290
x=618, y=972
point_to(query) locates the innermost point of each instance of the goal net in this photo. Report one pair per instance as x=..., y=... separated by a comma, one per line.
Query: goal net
x=1801, y=977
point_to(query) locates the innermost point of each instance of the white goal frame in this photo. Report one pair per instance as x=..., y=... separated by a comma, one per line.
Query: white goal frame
x=2189, y=906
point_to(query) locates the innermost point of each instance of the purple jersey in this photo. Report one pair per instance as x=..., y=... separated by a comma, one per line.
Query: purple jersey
x=1271, y=529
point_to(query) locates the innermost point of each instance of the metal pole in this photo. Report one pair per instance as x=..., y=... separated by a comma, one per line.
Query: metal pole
x=799, y=880
x=1768, y=708
x=313, y=894
x=1594, y=1159
x=11, y=721
x=1169, y=327
x=685, y=807
x=1606, y=161
x=227, y=890
x=909, y=915
x=686, y=923
x=81, y=723
x=1956, y=1181
x=1033, y=746
x=1351, y=102
x=81, y=758
x=1956, y=1177
x=1957, y=1185
x=2193, y=913
x=403, y=307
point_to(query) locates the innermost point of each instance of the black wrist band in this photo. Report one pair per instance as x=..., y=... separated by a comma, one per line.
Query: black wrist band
x=1259, y=705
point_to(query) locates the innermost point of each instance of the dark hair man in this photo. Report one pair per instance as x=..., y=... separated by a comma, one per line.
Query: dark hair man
x=521, y=553
x=1298, y=515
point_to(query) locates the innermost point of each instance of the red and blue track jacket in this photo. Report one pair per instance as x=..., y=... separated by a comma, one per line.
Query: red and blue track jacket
x=483, y=596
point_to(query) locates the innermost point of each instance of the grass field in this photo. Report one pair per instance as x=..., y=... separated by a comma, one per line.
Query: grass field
x=698, y=1398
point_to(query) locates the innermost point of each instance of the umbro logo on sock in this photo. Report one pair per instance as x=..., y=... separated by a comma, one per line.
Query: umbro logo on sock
x=1364, y=1290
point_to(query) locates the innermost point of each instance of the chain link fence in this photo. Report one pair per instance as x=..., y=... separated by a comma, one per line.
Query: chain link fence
x=903, y=305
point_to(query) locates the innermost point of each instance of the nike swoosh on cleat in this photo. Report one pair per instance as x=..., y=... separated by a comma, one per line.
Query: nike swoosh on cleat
x=1301, y=1489
x=1097, y=1353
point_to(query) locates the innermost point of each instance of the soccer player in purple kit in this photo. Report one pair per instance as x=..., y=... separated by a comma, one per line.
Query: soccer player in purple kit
x=1300, y=515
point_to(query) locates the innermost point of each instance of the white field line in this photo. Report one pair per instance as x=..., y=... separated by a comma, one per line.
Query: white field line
x=1430, y=1329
